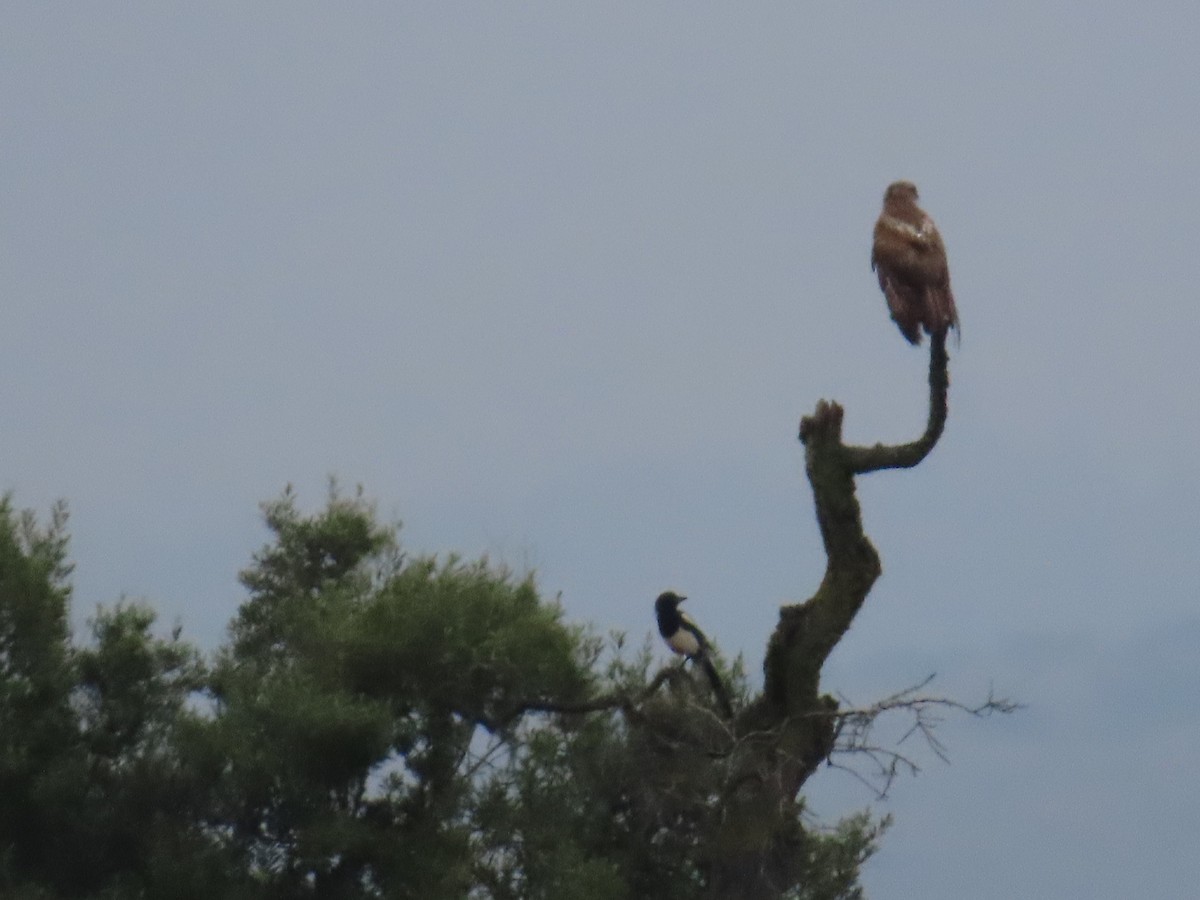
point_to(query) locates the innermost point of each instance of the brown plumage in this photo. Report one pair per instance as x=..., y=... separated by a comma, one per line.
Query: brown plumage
x=910, y=259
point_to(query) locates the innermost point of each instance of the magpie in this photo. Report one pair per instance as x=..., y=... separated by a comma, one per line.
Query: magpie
x=684, y=637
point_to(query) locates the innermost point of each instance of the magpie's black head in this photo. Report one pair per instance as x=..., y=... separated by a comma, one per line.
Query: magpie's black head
x=668, y=600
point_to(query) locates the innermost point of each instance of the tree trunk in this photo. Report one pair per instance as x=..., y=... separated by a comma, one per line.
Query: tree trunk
x=790, y=729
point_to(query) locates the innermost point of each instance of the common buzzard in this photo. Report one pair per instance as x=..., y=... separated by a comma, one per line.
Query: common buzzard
x=910, y=259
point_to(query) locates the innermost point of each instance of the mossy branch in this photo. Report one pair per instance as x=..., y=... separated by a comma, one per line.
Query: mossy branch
x=807, y=632
x=905, y=456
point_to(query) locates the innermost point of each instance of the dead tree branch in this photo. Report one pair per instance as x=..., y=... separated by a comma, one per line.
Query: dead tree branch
x=904, y=456
x=854, y=732
x=805, y=723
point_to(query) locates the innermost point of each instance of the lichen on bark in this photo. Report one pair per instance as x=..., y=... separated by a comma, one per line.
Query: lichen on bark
x=792, y=723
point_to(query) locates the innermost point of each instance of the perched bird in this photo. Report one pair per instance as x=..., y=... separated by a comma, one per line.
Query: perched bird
x=685, y=638
x=910, y=259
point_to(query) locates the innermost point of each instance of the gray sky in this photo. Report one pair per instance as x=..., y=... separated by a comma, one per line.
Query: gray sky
x=556, y=282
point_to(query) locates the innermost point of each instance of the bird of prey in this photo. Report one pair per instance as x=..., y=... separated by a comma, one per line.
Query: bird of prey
x=684, y=637
x=910, y=259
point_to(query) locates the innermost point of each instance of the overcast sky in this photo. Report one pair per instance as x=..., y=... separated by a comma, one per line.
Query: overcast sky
x=557, y=281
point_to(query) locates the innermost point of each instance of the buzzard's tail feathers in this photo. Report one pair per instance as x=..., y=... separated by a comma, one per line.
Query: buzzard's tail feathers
x=943, y=316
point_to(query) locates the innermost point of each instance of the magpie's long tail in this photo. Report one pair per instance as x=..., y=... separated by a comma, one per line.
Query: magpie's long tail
x=718, y=686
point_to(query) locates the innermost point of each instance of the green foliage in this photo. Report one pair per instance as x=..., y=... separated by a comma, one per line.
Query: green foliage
x=832, y=859
x=37, y=734
x=378, y=725
x=354, y=689
x=94, y=799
